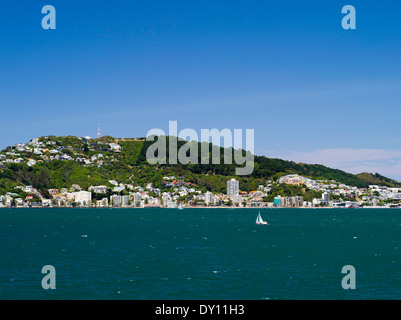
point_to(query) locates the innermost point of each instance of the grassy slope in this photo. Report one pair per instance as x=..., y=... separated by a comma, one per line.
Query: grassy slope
x=378, y=179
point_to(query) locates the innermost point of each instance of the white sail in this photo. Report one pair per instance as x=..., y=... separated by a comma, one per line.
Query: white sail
x=259, y=220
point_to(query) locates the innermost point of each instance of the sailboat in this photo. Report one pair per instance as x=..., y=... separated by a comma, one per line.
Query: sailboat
x=259, y=220
x=180, y=207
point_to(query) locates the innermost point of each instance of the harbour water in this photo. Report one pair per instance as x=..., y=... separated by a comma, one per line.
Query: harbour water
x=213, y=254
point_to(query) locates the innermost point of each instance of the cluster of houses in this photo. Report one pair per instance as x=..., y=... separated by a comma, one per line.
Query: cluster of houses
x=46, y=149
x=336, y=194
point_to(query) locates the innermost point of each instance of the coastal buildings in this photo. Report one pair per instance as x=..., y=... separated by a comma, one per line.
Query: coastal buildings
x=167, y=189
x=137, y=197
x=167, y=200
x=209, y=198
x=288, y=202
x=332, y=195
x=292, y=202
x=233, y=191
x=115, y=200
x=84, y=198
x=324, y=201
x=277, y=201
x=104, y=203
x=125, y=201
x=326, y=197
x=232, y=188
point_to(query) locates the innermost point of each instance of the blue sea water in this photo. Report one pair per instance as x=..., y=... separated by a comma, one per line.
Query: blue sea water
x=173, y=254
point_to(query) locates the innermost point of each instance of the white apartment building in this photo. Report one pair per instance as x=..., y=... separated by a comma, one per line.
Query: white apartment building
x=326, y=196
x=115, y=200
x=125, y=201
x=232, y=188
x=84, y=198
x=167, y=201
x=209, y=198
x=137, y=199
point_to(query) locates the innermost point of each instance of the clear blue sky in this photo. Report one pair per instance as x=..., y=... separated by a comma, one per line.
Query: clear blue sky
x=312, y=91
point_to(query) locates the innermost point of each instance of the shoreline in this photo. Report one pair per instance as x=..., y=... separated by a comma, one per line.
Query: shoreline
x=230, y=208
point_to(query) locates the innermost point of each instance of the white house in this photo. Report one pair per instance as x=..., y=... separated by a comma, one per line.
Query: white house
x=98, y=189
x=115, y=147
x=31, y=163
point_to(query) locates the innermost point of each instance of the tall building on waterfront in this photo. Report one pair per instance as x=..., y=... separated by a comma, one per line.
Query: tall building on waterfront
x=125, y=201
x=83, y=198
x=115, y=200
x=292, y=202
x=137, y=199
x=167, y=201
x=209, y=197
x=232, y=188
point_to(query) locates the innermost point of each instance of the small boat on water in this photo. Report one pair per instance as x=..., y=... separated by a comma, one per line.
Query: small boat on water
x=259, y=220
x=180, y=207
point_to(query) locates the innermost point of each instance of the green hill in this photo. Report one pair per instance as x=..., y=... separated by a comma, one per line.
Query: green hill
x=377, y=179
x=129, y=166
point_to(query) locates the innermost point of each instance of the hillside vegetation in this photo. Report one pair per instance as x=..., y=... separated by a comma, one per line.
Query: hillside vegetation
x=129, y=166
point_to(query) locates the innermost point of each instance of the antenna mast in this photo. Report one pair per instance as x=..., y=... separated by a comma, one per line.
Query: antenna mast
x=99, y=134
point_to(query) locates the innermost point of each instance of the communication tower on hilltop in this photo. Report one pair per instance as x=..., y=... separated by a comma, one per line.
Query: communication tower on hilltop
x=99, y=134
